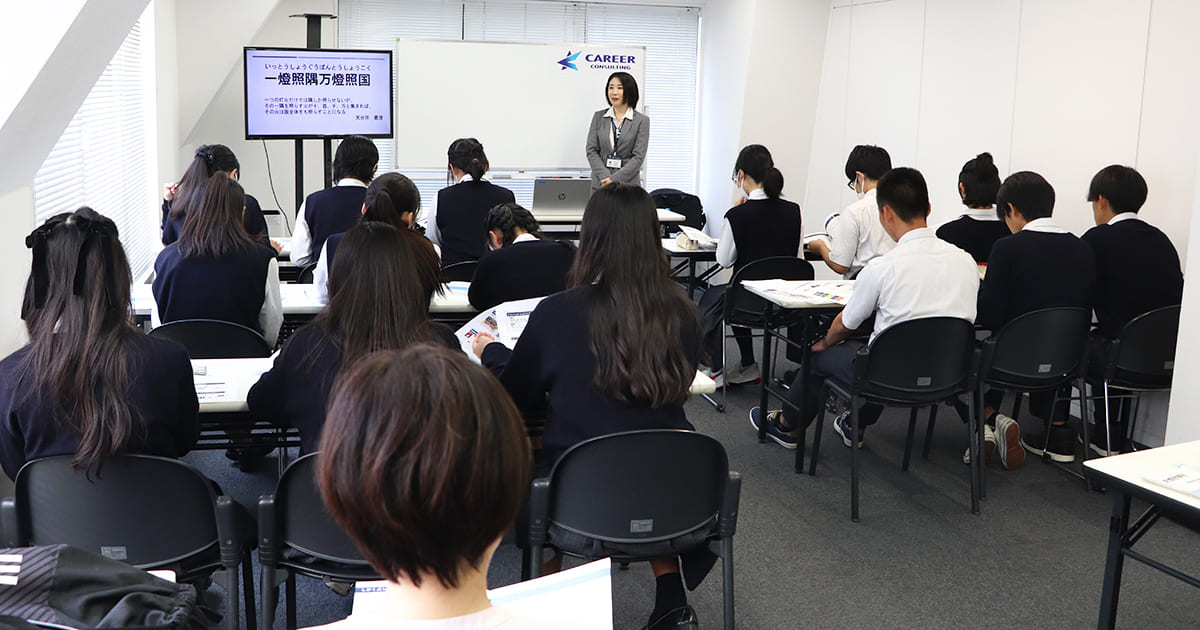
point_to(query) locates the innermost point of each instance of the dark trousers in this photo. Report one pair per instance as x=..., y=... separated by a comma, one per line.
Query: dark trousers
x=836, y=363
x=712, y=309
x=1119, y=409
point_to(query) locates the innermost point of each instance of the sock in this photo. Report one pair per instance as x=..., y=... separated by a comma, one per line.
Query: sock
x=669, y=594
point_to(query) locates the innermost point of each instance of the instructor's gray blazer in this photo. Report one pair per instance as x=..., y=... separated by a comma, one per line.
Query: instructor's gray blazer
x=631, y=148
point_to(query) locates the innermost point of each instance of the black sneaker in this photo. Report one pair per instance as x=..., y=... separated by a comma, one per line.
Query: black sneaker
x=1100, y=447
x=1061, y=447
x=774, y=431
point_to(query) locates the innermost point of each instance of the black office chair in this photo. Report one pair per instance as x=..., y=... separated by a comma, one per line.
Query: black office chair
x=743, y=308
x=1141, y=359
x=684, y=203
x=917, y=363
x=460, y=271
x=297, y=534
x=305, y=275
x=637, y=496
x=215, y=339
x=150, y=512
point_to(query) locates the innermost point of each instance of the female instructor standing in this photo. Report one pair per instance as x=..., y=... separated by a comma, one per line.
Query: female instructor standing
x=618, y=137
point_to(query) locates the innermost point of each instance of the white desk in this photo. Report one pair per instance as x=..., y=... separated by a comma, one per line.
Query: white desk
x=575, y=216
x=1127, y=476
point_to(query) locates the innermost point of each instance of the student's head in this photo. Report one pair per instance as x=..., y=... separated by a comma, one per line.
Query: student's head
x=392, y=198
x=356, y=157
x=208, y=160
x=466, y=155
x=1121, y=188
x=380, y=284
x=76, y=311
x=902, y=195
x=638, y=316
x=867, y=163
x=621, y=88
x=978, y=182
x=506, y=222
x=755, y=162
x=215, y=228
x=1023, y=197
x=424, y=461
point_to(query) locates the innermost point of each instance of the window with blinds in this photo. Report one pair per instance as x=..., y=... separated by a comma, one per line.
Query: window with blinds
x=671, y=36
x=105, y=159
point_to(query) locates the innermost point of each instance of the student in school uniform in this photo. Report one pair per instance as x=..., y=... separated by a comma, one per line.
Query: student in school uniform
x=391, y=198
x=379, y=291
x=615, y=352
x=188, y=193
x=922, y=276
x=856, y=236
x=978, y=228
x=334, y=210
x=426, y=501
x=762, y=225
x=216, y=270
x=456, y=222
x=89, y=382
x=1040, y=265
x=619, y=136
x=1125, y=289
x=522, y=263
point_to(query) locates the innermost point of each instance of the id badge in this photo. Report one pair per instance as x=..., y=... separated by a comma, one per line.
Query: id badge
x=613, y=162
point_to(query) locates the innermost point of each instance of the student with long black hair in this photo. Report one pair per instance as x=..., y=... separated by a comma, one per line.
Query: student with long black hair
x=379, y=291
x=615, y=352
x=334, y=210
x=89, y=383
x=978, y=228
x=522, y=263
x=456, y=222
x=188, y=193
x=216, y=270
x=761, y=226
x=391, y=198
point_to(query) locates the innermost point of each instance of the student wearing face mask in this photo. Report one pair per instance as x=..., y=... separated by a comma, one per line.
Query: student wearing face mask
x=857, y=236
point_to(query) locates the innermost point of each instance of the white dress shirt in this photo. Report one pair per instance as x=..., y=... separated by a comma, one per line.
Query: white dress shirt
x=1044, y=224
x=612, y=116
x=923, y=276
x=302, y=236
x=1123, y=216
x=857, y=235
x=981, y=214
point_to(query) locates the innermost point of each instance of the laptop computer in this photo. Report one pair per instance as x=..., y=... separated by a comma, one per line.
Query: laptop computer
x=551, y=195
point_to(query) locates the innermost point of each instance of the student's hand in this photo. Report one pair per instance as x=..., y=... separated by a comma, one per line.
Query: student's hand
x=606, y=181
x=277, y=246
x=169, y=191
x=820, y=346
x=480, y=342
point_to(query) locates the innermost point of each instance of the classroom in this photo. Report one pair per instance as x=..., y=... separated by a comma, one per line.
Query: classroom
x=1060, y=87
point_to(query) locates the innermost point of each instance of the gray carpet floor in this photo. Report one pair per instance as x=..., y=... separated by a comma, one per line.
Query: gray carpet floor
x=1034, y=557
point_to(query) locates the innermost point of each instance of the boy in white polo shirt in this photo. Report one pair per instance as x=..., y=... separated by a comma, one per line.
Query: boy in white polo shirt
x=923, y=276
x=856, y=235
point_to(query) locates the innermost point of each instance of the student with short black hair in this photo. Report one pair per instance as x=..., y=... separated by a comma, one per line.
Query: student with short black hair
x=762, y=225
x=379, y=291
x=425, y=465
x=617, y=351
x=89, y=382
x=334, y=210
x=522, y=263
x=619, y=135
x=856, y=235
x=1125, y=290
x=217, y=271
x=456, y=223
x=188, y=193
x=978, y=228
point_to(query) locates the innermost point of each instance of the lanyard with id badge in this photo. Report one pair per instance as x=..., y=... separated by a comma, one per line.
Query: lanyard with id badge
x=614, y=161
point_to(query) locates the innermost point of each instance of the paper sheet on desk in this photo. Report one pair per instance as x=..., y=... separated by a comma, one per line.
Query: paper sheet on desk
x=209, y=390
x=1183, y=478
x=703, y=240
x=820, y=292
x=582, y=594
x=504, y=323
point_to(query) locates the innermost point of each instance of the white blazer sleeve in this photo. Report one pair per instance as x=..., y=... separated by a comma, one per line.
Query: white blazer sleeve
x=301, y=240
x=271, y=315
x=321, y=278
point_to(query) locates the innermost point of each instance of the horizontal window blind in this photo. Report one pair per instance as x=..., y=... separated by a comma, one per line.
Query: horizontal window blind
x=105, y=157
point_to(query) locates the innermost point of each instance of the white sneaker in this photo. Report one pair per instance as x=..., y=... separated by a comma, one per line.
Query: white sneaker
x=746, y=374
x=989, y=446
x=718, y=377
x=1008, y=442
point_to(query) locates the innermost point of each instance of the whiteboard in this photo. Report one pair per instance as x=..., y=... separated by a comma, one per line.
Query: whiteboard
x=529, y=104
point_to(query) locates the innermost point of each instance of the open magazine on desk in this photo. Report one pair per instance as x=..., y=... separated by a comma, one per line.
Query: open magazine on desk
x=504, y=322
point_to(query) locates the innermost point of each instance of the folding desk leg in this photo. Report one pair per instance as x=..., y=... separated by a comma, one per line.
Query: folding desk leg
x=1116, y=560
x=855, y=431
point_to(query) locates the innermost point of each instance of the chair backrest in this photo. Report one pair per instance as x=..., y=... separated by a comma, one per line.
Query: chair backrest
x=305, y=276
x=741, y=306
x=684, y=203
x=215, y=339
x=460, y=271
x=926, y=359
x=1144, y=353
x=1039, y=349
x=303, y=521
x=143, y=510
x=639, y=486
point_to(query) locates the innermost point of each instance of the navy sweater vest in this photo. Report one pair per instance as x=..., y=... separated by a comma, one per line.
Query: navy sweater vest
x=973, y=236
x=230, y=289
x=461, y=210
x=763, y=228
x=332, y=211
x=253, y=220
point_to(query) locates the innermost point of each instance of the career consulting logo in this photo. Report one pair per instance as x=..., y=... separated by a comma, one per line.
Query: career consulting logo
x=598, y=61
x=569, y=61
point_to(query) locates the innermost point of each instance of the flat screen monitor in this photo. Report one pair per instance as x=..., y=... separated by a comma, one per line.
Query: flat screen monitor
x=305, y=93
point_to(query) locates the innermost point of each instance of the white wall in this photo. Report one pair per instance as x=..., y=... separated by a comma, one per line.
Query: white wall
x=1183, y=425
